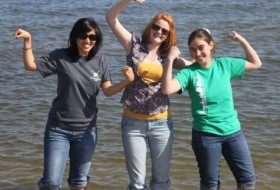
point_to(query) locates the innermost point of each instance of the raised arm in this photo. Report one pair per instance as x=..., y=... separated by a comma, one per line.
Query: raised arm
x=253, y=61
x=170, y=85
x=28, y=57
x=121, y=33
x=180, y=63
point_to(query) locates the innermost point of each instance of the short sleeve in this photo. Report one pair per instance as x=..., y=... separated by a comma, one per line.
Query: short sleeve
x=47, y=65
x=106, y=76
x=236, y=66
x=183, y=77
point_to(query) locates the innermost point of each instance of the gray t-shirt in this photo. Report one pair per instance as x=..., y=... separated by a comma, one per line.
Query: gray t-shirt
x=78, y=85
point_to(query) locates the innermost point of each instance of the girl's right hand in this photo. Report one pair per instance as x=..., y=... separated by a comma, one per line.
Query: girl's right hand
x=139, y=1
x=173, y=53
x=22, y=34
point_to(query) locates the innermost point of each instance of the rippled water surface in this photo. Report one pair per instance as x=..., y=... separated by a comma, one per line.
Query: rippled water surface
x=25, y=97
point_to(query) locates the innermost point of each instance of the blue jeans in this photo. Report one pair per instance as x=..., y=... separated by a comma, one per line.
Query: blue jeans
x=58, y=145
x=137, y=135
x=209, y=148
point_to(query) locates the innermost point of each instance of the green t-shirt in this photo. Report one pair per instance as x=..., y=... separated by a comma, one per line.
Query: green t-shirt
x=211, y=94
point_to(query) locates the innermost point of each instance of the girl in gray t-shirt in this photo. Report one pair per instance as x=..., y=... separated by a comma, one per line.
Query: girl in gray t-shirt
x=71, y=126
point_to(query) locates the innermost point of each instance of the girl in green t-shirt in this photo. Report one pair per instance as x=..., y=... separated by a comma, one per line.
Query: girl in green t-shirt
x=216, y=129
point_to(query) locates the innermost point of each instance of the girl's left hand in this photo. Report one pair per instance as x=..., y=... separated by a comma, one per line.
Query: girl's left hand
x=128, y=73
x=234, y=35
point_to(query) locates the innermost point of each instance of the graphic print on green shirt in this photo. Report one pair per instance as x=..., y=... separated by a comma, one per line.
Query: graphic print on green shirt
x=211, y=94
x=199, y=88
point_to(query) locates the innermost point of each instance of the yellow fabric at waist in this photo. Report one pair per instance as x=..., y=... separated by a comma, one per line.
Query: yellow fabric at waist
x=130, y=114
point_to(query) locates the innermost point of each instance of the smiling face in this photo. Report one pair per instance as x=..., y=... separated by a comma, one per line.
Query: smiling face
x=85, y=42
x=159, y=31
x=201, y=51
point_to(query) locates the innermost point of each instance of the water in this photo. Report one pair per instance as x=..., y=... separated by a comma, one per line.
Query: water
x=25, y=97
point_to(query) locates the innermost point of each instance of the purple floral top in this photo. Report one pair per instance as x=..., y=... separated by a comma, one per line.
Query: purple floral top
x=139, y=96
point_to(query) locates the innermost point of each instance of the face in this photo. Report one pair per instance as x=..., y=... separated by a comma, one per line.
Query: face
x=85, y=42
x=201, y=51
x=159, y=32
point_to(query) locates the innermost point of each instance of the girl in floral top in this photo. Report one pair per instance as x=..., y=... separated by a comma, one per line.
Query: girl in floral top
x=146, y=120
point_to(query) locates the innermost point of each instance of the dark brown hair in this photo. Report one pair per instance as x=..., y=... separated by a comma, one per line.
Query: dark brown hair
x=84, y=25
x=204, y=34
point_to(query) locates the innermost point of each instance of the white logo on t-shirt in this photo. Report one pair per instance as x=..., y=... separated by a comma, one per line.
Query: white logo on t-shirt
x=201, y=92
x=95, y=76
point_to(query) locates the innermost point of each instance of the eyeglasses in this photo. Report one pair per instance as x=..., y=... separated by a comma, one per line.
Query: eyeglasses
x=84, y=36
x=156, y=28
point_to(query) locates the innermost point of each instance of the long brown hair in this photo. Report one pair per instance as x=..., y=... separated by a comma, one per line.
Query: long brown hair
x=170, y=40
x=84, y=25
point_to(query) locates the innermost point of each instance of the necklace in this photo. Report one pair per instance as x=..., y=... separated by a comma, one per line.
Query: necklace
x=152, y=57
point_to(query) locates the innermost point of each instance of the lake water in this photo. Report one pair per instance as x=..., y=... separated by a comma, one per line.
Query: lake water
x=25, y=97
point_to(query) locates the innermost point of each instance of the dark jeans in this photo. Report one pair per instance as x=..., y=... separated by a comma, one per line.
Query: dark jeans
x=209, y=148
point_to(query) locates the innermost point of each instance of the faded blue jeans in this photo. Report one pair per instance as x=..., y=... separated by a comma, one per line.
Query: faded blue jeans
x=209, y=148
x=137, y=135
x=58, y=145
